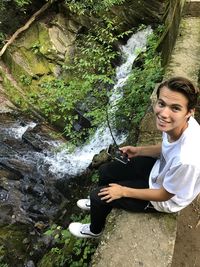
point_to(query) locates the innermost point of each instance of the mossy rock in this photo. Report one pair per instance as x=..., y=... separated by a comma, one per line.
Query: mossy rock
x=13, y=249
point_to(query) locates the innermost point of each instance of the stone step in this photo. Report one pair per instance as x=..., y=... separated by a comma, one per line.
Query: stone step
x=192, y=8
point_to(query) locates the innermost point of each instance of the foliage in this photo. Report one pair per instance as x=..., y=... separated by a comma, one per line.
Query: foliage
x=91, y=6
x=22, y=3
x=36, y=48
x=2, y=39
x=67, y=250
x=2, y=263
x=146, y=72
x=25, y=80
x=95, y=177
x=91, y=71
x=18, y=3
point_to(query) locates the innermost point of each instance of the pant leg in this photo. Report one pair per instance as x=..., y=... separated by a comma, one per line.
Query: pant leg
x=137, y=168
x=98, y=212
x=138, y=178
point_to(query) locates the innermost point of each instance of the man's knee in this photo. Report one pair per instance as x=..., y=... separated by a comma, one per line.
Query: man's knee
x=103, y=170
x=94, y=194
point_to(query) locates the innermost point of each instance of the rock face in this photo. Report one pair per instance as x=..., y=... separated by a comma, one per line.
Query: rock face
x=28, y=190
x=48, y=42
x=38, y=51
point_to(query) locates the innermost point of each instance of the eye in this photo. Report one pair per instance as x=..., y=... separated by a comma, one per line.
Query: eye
x=175, y=108
x=160, y=104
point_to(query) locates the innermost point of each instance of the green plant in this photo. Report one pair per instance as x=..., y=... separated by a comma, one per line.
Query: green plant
x=140, y=85
x=21, y=4
x=2, y=263
x=91, y=71
x=91, y=6
x=68, y=251
x=2, y=39
x=36, y=48
x=95, y=177
x=93, y=65
x=25, y=80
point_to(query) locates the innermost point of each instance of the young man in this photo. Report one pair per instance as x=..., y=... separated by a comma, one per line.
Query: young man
x=163, y=177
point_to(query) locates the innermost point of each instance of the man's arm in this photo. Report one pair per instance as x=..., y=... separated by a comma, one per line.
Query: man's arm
x=147, y=194
x=151, y=151
x=116, y=191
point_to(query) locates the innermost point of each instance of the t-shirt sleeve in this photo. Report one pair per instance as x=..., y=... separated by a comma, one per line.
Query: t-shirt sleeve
x=181, y=180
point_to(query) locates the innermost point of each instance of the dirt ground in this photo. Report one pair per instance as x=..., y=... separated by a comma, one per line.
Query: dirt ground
x=187, y=246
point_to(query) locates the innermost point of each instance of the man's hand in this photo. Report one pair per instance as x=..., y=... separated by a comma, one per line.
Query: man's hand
x=114, y=191
x=149, y=151
x=131, y=151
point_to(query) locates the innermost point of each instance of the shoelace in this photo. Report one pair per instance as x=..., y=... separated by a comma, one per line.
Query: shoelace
x=85, y=229
x=87, y=204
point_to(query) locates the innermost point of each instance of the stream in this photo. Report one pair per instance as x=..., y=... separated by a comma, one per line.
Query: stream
x=36, y=167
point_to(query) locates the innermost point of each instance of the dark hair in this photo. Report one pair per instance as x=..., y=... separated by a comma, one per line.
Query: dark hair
x=183, y=86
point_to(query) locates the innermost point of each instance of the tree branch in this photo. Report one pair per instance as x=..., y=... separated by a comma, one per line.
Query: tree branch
x=26, y=26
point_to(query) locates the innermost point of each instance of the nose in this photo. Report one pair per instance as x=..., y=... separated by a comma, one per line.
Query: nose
x=164, y=112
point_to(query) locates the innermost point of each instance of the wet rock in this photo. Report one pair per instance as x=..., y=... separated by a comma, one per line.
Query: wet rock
x=28, y=191
x=29, y=264
x=41, y=137
x=99, y=159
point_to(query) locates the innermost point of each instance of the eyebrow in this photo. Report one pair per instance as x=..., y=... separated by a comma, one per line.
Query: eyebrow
x=172, y=105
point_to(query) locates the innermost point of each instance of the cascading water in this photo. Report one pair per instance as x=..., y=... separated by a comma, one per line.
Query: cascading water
x=78, y=161
x=34, y=184
x=64, y=163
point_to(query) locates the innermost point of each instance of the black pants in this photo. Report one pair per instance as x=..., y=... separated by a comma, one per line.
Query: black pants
x=134, y=174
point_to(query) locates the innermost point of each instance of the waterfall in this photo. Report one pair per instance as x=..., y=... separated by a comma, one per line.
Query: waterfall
x=17, y=130
x=74, y=163
x=63, y=163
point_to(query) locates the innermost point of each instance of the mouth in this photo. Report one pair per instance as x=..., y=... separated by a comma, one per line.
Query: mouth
x=162, y=122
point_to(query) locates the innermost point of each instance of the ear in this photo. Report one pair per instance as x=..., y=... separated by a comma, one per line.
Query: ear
x=190, y=113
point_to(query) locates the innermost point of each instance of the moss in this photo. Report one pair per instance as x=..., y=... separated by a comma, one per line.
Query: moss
x=43, y=38
x=11, y=90
x=13, y=247
x=25, y=62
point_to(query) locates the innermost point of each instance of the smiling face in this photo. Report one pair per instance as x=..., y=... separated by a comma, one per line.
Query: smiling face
x=172, y=113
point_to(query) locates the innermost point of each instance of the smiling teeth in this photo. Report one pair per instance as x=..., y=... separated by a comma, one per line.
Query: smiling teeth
x=162, y=121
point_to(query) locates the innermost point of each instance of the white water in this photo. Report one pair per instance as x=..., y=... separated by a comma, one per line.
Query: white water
x=75, y=163
x=17, y=131
x=65, y=163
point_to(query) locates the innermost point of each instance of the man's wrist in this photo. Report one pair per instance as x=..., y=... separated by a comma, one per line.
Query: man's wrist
x=125, y=191
x=139, y=148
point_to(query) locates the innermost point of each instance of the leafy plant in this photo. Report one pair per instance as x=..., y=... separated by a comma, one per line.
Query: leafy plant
x=146, y=72
x=95, y=177
x=25, y=80
x=92, y=74
x=67, y=250
x=91, y=6
x=19, y=3
x=36, y=48
x=2, y=39
x=2, y=263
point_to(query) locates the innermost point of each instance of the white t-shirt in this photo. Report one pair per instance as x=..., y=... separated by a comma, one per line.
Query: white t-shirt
x=178, y=169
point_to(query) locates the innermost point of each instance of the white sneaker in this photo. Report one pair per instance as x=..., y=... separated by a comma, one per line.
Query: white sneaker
x=82, y=230
x=84, y=204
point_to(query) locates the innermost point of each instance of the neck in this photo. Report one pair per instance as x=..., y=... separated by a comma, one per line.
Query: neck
x=172, y=137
